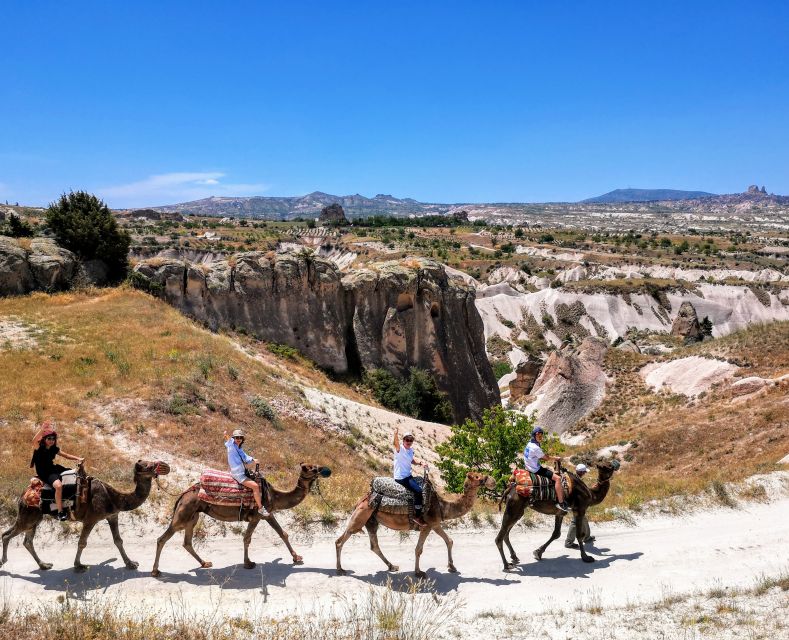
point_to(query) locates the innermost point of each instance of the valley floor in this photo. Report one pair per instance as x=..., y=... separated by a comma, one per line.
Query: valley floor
x=664, y=577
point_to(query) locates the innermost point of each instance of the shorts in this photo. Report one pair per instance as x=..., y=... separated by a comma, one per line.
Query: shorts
x=545, y=472
x=240, y=478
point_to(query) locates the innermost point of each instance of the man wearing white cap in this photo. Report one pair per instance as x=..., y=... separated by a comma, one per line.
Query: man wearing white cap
x=570, y=542
x=403, y=459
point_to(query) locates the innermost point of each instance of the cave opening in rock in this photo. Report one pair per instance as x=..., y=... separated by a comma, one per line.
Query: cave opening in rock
x=404, y=302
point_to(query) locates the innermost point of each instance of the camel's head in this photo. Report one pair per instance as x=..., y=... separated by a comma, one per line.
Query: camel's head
x=477, y=480
x=310, y=472
x=149, y=469
x=606, y=468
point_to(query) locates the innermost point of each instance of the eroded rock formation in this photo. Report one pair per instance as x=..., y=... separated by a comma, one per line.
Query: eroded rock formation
x=44, y=267
x=570, y=385
x=526, y=374
x=333, y=215
x=686, y=324
x=392, y=315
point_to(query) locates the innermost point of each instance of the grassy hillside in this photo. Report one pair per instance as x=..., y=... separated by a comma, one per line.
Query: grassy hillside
x=124, y=375
x=676, y=445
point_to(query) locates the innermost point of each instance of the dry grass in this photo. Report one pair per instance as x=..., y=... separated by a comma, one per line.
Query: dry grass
x=683, y=446
x=119, y=361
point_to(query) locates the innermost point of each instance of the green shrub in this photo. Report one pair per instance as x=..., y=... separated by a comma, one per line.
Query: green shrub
x=84, y=224
x=501, y=368
x=491, y=446
x=417, y=395
x=283, y=351
x=262, y=408
x=17, y=228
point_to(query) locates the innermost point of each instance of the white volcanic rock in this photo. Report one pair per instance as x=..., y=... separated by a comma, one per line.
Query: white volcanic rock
x=728, y=307
x=687, y=376
x=570, y=386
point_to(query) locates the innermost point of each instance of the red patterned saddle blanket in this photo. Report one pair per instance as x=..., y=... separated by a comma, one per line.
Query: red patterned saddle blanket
x=530, y=485
x=219, y=487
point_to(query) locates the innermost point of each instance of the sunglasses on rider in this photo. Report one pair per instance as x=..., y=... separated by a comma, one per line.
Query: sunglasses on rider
x=51, y=438
x=408, y=439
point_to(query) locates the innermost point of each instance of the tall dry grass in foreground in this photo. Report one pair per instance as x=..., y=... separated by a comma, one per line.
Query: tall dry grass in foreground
x=379, y=614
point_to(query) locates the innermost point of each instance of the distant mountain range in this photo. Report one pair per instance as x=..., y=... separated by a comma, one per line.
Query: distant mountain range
x=309, y=206
x=358, y=206
x=647, y=195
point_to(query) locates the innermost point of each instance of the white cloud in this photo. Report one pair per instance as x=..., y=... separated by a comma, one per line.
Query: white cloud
x=171, y=188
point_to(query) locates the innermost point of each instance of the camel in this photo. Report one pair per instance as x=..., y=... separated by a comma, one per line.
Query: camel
x=439, y=510
x=105, y=504
x=581, y=498
x=188, y=508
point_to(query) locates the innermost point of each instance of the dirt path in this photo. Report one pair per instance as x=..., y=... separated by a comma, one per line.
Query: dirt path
x=660, y=557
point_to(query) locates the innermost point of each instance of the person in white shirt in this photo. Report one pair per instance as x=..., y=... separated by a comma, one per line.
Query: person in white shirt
x=403, y=459
x=532, y=456
x=569, y=542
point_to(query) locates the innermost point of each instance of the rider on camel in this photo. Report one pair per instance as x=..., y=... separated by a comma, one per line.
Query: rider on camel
x=403, y=459
x=533, y=455
x=45, y=449
x=237, y=459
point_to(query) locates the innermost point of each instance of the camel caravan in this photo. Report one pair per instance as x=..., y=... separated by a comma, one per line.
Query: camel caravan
x=401, y=502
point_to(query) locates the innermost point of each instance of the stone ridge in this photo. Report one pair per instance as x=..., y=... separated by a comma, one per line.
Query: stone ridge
x=393, y=315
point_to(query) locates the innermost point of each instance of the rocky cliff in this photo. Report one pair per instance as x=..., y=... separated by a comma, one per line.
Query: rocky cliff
x=43, y=266
x=393, y=315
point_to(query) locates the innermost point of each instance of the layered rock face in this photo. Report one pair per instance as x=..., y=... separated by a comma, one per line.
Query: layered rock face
x=334, y=215
x=44, y=267
x=526, y=374
x=570, y=385
x=390, y=315
x=686, y=324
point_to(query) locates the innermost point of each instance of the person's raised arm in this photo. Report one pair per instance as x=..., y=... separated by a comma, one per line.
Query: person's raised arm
x=37, y=437
x=396, y=440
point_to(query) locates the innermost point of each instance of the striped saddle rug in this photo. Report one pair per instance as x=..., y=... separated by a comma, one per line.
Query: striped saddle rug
x=219, y=488
x=536, y=488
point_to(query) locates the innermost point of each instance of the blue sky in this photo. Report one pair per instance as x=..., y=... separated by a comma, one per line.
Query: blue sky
x=160, y=102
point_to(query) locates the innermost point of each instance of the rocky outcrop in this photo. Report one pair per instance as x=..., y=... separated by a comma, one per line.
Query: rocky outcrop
x=333, y=215
x=628, y=345
x=392, y=315
x=754, y=190
x=526, y=374
x=570, y=385
x=686, y=324
x=44, y=267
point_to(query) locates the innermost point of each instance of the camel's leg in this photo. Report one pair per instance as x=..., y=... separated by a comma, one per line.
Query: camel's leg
x=169, y=533
x=26, y=525
x=512, y=513
x=355, y=524
x=87, y=527
x=557, y=531
x=423, y=533
x=116, y=538
x=448, y=541
x=372, y=531
x=248, y=564
x=28, y=544
x=579, y=534
x=297, y=559
x=189, y=530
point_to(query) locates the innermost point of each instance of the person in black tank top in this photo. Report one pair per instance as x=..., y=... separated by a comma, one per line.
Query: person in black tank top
x=45, y=449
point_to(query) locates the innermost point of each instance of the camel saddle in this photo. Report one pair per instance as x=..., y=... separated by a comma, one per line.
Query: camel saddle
x=47, y=493
x=387, y=496
x=32, y=495
x=221, y=489
x=537, y=488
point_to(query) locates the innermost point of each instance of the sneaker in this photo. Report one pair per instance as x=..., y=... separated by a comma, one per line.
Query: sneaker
x=562, y=506
x=572, y=545
x=262, y=511
x=62, y=516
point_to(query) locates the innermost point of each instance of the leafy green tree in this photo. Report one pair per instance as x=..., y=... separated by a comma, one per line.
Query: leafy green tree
x=491, y=446
x=417, y=395
x=84, y=224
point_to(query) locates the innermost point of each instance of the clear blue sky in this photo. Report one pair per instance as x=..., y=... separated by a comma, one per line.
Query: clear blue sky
x=160, y=102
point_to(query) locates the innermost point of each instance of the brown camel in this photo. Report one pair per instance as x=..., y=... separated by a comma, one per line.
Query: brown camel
x=189, y=507
x=581, y=498
x=105, y=504
x=439, y=510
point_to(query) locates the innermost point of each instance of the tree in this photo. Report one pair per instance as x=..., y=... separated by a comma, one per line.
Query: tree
x=84, y=224
x=490, y=445
x=18, y=228
x=417, y=395
x=706, y=327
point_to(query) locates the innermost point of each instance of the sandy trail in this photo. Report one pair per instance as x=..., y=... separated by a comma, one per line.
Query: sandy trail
x=660, y=556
